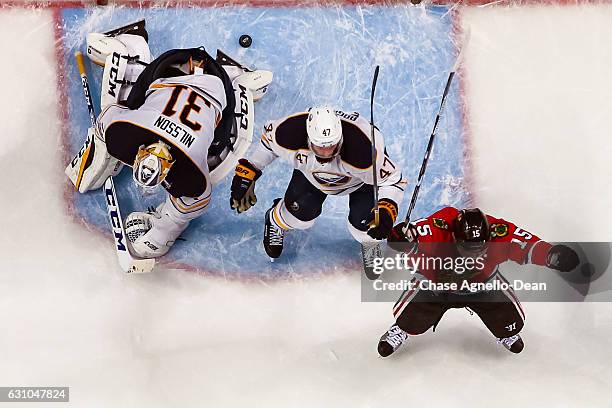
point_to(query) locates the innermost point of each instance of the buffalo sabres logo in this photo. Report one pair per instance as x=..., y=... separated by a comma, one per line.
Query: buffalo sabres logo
x=330, y=179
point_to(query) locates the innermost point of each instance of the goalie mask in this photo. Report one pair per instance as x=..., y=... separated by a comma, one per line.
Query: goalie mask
x=151, y=166
x=324, y=133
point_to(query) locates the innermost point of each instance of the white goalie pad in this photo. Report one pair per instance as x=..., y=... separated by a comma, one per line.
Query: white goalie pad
x=245, y=122
x=92, y=165
x=118, y=56
x=256, y=81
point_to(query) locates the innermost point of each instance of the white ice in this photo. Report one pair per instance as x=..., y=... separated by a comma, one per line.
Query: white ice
x=538, y=89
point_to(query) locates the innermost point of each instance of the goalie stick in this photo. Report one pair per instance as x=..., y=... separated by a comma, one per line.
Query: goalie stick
x=128, y=263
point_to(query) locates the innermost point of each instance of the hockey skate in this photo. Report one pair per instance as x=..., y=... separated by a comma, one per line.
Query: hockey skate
x=273, y=235
x=392, y=340
x=513, y=343
x=370, y=251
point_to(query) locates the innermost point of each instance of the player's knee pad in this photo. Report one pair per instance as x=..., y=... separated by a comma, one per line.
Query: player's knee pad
x=286, y=219
x=303, y=208
x=358, y=234
x=92, y=165
x=358, y=217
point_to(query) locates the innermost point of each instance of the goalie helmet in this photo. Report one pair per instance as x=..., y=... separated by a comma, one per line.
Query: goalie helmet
x=324, y=132
x=151, y=166
x=471, y=232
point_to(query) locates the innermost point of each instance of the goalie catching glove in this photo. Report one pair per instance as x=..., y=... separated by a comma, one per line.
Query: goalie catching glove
x=152, y=233
x=387, y=215
x=243, y=186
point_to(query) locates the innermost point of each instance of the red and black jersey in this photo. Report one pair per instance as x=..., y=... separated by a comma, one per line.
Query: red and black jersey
x=508, y=243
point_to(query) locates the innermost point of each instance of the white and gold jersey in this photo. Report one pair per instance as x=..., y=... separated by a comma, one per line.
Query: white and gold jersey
x=350, y=169
x=183, y=112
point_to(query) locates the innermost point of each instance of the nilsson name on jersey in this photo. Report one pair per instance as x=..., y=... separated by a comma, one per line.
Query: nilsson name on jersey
x=174, y=130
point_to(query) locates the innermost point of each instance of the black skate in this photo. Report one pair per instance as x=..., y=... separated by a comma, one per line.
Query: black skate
x=513, y=343
x=273, y=235
x=392, y=340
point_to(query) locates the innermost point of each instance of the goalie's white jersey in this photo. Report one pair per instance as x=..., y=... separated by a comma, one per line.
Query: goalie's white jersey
x=181, y=111
x=350, y=169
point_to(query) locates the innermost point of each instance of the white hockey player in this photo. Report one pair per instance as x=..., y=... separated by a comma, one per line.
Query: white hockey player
x=331, y=154
x=181, y=121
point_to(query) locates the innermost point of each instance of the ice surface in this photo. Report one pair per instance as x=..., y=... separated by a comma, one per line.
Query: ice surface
x=178, y=339
x=318, y=55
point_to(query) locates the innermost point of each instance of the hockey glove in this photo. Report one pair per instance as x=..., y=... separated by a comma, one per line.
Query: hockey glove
x=403, y=238
x=562, y=258
x=243, y=186
x=387, y=215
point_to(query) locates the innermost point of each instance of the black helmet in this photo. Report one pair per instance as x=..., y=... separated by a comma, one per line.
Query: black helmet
x=471, y=231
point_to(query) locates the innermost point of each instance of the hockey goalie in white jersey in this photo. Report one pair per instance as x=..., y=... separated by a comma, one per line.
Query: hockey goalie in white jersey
x=181, y=121
x=331, y=153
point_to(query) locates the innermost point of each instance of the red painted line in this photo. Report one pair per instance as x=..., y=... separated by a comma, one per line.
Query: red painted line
x=466, y=133
x=62, y=93
x=287, y=3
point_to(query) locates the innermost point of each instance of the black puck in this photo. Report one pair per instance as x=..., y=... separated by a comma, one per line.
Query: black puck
x=245, y=40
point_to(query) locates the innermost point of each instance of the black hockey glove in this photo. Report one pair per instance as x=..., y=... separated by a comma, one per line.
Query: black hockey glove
x=243, y=186
x=387, y=215
x=562, y=258
x=403, y=238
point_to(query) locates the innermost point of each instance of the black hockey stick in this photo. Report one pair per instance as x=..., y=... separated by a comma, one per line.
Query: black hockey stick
x=374, y=172
x=449, y=81
x=371, y=251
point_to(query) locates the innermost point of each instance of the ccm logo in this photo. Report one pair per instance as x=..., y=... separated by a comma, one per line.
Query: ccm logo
x=113, y=214
x=244, y=108
x=112, y=77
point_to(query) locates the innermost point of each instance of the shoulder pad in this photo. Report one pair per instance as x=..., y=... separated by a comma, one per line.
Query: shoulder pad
x=499, y=230
x=356, y=146
x=291, y=133
x=440, y=223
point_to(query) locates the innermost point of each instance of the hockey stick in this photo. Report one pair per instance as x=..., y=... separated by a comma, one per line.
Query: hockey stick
x=128, y=263
x=374, y=172
x=370, y=251
x=449, y=81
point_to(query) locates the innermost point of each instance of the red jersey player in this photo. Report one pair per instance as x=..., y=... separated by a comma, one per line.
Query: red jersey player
x=488, y=241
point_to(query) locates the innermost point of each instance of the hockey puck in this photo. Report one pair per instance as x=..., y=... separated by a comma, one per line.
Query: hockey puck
x=245, y=41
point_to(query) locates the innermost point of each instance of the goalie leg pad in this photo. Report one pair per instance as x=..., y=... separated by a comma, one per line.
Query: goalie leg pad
x=92, y=165
x=256, y=81
x=120, y=67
